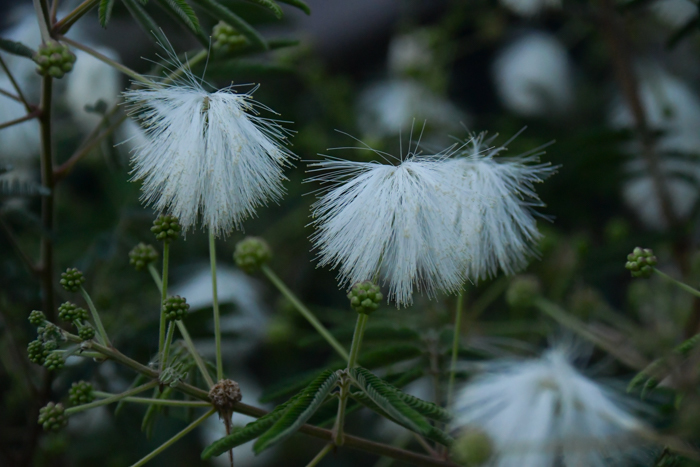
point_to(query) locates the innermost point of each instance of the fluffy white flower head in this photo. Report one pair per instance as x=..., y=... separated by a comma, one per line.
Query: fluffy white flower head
x=209, y=156
x=389, y=222
x=544, y=413
x=496, y=214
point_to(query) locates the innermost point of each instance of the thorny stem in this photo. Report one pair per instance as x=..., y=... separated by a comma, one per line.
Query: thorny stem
x=215, y=305
x=62, y=26
x=680, y=284
x=16, y=121
x=96, y=317
x=319, y=457
x=305, y=312
x=163, y=296
x=112, y=398
x=27, y=105
x=455, y=347
x=174, y=439
x=150, y=401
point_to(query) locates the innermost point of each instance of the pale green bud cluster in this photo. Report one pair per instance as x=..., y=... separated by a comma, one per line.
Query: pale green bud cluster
x=365, y=297
x=226, y=38
x=72, y=279
x=37, y=318
x=52, y=417
x=175, y=308
x=641, y=262
x=81, y=392
x=251, y=254
x=70, y=312
x=54, y=59
x=523, y=291
x=166, y=228
x=142, y=255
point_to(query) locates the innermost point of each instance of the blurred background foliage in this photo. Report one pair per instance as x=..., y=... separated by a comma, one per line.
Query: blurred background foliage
x=378, y=71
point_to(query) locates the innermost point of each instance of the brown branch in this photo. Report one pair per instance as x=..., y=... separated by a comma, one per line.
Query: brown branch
x=27, y=105
x=20, y=252
x=29, y=116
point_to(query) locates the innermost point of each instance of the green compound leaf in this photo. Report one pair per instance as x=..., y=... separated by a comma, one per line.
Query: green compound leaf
x=218, y=11
x=145, y=21
x=385, y=398
x=183, y=12
x=104, y=12
x=153, y=410
x=270, y=5
x=294, y=383
x=299, y=4
x=16, y=48
x=309, y=400
x=249, y=432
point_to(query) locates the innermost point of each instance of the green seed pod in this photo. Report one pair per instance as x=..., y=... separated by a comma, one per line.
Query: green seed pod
x=52, y=417
x=54, y=361
x=523, y=291
x=70, y=312
x=472, y=447
x=54, y=59
x=72, y=280
x=142, y=255
x=166, y=228
x=175, y=308
x=86, y=332
x=37, y=318
x=641, y=262
x=251, y=254
x=81, y=392
x=36, y=352
x=365, y=297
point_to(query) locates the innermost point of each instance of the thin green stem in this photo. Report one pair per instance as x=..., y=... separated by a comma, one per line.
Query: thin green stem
x=215, y=304
x=40, y=11
x=174, y=439
x=67, y=21
x=112, y=398
x=103, y=58
x=305, y=312
x=47, y=201
x=360, y=326
x=455, y=347
x=155, y=276
x=678, y=283
x=96, y=317
x=323, y=453
x=193, y=351
x=150, y=401
x=168, y=342
x=163, y=296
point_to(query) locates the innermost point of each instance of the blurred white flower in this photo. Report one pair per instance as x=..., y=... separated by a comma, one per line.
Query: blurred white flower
x=544, y=413
x=533, y=76
x=529, y=8
x=674, y=13
x=389, y=222
x=209, y=156
x=389, y=107
x=409, y=52
x=496, y=212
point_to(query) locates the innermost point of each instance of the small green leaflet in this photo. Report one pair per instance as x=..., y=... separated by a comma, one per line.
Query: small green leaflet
x=104, y=13
x=270, y=5
x=16, y=48
x=299, y=4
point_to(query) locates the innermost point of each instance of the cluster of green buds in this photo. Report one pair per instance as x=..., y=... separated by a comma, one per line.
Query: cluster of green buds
x=175, y=308
x=37, y=352
x=70, y=312
x=523, y=291
x=37, y=318
x=641, y=262
x=472, y=447
x=54, y=361
x=81, y=392
x=53, y=417
x=49, y=332
x=365, y=297
x=166, y=228
x=47, y=341
x=142, y=255
x=53, y=59
x=251, y=254
x=72, y=280
x=86, y=332
x=226, y=38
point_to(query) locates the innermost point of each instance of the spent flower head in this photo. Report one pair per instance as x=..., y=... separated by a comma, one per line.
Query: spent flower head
x=209, y=156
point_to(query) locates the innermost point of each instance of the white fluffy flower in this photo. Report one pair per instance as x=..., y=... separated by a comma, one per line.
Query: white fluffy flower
x=209, y=155
x=533, y=76
x=529, y=7
x=544, y=413
x=496, y=216
x=389, y=222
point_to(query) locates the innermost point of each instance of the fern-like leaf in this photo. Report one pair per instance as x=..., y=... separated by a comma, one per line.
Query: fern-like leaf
x=104, y=12
x=299, y=412
x=183, y=12
x=270, y=5
x=145, y=21
x=16, y=48
x=218, y=11
x=384, y=397
x=425, y=408
x=299, y=4
x=294, y=383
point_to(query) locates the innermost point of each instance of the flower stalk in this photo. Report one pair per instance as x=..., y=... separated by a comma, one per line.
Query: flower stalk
x=112, y=398
x=96, y=317
x=163, y=296
x=455, y=347
x=215, y=304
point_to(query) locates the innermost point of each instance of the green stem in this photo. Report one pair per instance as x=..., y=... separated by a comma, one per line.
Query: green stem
x=148, y=400
x=96, y=317
x=163, y=296
x=215, y=303
x=168, y=342
x=26, y=103
x=360, y=326
x=112, y=398
x=155, y=276
x=40, y=11
x=455, y=347
x=193, y=351
x=680, y=284
x=326, y=449
x=116, y=65
x=174, y=439
x=305, y=312
x=67, y=21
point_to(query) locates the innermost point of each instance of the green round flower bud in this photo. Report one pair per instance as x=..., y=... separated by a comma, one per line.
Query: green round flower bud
x=166, y=228
x=641, y=262
x=36, y=351
x=54, y=361
x=72, y=279
x=472, y=447
x=54, y=59
x=50, y=346
x=71, y=312
x=52, y=417
x=86, y=332
x=365, y=297
x=175, y=308
x=251, y=254
x=49, y=332
x=141, y=255
x=523, y=291
x=81, y=393
x=226, y=38
x=37, y=318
